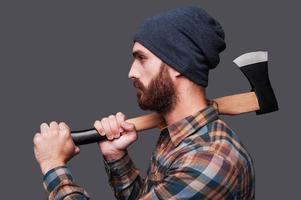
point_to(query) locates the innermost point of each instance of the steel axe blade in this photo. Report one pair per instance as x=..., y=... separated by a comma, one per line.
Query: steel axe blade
x=254, y=66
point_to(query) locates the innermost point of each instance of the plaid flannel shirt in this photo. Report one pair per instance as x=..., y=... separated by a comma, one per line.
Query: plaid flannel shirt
x=59, y=185
x=198, y=157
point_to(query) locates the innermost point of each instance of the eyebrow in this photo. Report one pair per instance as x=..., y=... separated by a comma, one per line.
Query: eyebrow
x=137, y=53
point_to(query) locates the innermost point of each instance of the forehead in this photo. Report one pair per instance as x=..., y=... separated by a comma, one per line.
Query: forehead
x=137, y=47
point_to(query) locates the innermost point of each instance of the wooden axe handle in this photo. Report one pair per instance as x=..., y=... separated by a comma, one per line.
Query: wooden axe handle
x=227, y=105
x=237, y=104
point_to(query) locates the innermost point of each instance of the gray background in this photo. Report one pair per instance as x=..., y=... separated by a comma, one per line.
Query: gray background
x=69, y=60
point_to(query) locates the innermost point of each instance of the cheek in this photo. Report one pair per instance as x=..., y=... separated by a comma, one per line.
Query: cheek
x=146, y=77
x=151, y=69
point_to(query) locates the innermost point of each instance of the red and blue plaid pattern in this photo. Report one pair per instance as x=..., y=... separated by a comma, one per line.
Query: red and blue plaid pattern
x=198, y=157
x=59, y=185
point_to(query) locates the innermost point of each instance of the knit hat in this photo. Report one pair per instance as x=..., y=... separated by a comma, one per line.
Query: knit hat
x=186, y=38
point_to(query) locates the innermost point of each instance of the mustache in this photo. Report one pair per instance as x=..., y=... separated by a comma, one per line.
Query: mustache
x=138, y=84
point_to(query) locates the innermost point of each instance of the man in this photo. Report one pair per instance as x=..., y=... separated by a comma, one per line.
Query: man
x=197, y=155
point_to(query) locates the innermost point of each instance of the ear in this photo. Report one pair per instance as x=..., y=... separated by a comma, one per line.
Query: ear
x=173, y=72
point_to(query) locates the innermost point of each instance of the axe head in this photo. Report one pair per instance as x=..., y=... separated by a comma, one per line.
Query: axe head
x=254, y=66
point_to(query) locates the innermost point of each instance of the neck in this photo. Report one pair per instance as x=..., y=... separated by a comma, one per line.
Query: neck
x=190, y=100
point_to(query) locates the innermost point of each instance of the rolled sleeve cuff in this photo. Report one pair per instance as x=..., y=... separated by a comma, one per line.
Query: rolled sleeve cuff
x=121, y=172
x=55, y=176
x=120, y=167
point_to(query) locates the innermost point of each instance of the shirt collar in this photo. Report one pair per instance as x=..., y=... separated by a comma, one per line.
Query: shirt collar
x=188, y=125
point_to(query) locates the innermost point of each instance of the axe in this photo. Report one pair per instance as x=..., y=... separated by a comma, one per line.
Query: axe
x=261, y=99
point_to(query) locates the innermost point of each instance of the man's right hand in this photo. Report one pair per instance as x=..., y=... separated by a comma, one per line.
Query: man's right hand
x=119, y=133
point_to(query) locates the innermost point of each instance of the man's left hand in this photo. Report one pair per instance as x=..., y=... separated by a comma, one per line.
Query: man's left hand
x=53, y=146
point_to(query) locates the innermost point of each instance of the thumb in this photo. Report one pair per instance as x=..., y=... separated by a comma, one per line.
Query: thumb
x=77, y=150
x=128, y=127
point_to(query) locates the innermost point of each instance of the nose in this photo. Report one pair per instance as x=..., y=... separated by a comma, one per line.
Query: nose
x=133, y=73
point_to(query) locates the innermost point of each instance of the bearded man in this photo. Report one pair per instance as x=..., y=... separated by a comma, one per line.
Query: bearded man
x=197, y=155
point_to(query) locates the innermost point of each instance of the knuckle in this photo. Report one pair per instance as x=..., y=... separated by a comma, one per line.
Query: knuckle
x=120, y=118
x=44, y=124
x=37, y=138
x=111, y=135
x=65, y=133
x=104, y=122
x=53, y=122
x=98, y=127
x=63, y=126
x=96, y=124
x=108, y=136
x=104, y=119
x=120, y=114
x=63, y=129
x=62, y=123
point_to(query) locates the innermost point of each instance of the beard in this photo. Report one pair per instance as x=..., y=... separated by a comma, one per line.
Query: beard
x=160, y=95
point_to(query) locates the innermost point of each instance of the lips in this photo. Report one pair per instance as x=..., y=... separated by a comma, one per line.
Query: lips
x=140, y=88
x=138, y=85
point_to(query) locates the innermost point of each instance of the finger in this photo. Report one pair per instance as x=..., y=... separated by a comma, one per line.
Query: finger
x=121, y=115
x=63, y=126
x=107, y=129
x=129, y=127
x=64, y=129
x=44, y=128
x=120, y=118
x=130, y=130
x=36, y=139
x=114, y=126
x=99, y=128
x=54, y=127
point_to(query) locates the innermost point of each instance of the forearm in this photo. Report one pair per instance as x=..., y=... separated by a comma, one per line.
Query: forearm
x=124, y=177
x=59, y=184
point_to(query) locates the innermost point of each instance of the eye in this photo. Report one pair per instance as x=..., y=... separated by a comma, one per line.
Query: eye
x=141, y=57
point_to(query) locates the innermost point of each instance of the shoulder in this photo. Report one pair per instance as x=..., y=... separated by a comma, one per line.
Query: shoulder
x=216, y=140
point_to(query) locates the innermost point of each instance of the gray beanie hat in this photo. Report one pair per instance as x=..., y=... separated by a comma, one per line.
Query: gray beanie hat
x=186, y=38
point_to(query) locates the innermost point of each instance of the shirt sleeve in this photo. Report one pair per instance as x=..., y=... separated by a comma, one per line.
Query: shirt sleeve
x=203, y=175
x=59, y=185
x=124, y=177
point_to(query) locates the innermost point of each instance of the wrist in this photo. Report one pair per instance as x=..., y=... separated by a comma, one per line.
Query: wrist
x=46, y=166
x=112, y=156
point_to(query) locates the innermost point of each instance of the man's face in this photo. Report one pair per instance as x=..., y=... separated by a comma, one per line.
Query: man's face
x=155, y=88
